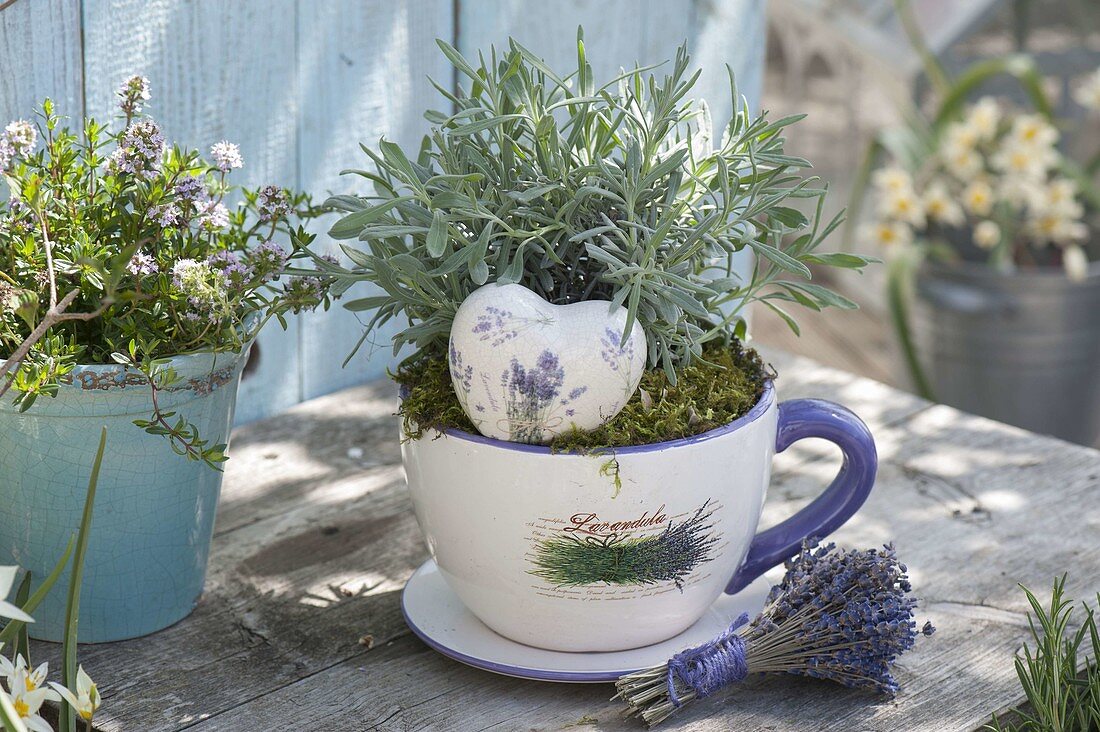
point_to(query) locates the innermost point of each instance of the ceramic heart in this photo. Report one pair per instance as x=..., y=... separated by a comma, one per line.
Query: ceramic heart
x=526, y=370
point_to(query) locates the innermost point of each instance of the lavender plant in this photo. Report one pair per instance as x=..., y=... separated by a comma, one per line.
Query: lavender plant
x=841, y=615
x=115, y=247
x=581, y=191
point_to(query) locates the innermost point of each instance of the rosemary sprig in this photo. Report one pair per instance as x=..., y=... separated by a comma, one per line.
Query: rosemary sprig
x=1059, y=697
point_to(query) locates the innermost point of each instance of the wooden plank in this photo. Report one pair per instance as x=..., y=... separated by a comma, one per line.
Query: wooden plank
x=218, y=71
x=364, y=72
x=974, y=506
x=40, y=57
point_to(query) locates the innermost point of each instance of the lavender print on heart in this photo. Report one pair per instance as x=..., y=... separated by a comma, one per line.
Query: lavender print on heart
x=526, y=370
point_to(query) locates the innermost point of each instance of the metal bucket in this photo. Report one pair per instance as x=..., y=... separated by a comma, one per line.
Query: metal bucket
x=1021, y=348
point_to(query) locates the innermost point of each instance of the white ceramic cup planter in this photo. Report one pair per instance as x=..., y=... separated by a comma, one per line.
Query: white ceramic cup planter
x=545, y=550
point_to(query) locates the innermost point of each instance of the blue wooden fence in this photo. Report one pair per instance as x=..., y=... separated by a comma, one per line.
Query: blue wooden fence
x=299, y=83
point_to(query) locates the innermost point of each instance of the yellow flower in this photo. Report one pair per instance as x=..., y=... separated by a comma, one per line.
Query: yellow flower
x=940, y=206
x=978, y=198
x=987, y=234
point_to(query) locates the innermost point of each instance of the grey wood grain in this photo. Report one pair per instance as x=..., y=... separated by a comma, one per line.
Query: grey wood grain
x=316, y=538
x=40, y=57
x=218, y=71
x=364, y=72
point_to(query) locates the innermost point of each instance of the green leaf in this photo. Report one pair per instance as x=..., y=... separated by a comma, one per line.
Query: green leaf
x=789, y=217
x=839, y=259
x=349, y=226
x=437, y=234
x=72, y=607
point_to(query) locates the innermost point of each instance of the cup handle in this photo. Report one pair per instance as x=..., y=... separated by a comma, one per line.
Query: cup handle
x=799, y=419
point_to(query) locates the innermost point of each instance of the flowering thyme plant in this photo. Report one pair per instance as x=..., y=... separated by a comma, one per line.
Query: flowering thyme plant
x=584, y=192
x=841, y=615
x=115, y=247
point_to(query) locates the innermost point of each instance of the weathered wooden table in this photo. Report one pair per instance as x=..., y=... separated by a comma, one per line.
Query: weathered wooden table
x=301, y=627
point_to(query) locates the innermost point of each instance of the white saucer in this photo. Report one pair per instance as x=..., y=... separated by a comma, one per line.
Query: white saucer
x=440, y=619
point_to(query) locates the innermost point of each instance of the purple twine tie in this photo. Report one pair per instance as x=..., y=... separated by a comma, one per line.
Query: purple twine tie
x=706, y=668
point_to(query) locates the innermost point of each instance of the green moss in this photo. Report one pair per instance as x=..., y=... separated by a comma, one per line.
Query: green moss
x=711, y=392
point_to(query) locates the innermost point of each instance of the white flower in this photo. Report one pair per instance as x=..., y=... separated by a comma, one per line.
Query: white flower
x=962, y=162
x=978, y=198
x=1018, y=190
x=960, y=136
x=1058, y=197
x=1056, y=229
x=7, y=610
x=902, y=205
x=983, y=118
x=887, y=234
x=940, y=206
x=86, y=699
x=27, y=698
x=987, y=234
x=892, y=179
x=227, y=156
x=1088, y=93
x=34, y=679
x=1016, y=158
x=1034, y=131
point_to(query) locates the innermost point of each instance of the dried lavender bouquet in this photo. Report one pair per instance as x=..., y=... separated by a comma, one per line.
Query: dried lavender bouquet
x=843, y=615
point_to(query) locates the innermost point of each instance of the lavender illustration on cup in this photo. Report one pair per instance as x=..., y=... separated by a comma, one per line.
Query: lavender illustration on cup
x=462, y=376
x=567, y=560
x=498, y=326
x=619, y=356
x=533, y=397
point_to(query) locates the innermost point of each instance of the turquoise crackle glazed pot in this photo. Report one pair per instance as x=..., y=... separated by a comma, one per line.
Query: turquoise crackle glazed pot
x=154, y=510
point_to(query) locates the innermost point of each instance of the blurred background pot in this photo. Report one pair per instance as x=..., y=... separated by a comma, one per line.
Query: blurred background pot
x=1021, y=348
x=154, y=511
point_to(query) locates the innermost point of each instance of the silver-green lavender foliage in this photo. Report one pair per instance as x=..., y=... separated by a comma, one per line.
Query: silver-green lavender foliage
x=616, y=192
